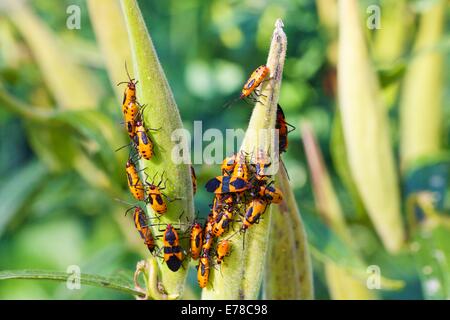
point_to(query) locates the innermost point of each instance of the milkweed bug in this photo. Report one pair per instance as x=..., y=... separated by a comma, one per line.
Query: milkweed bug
x=226, y=184
x=261, y=165
x=254, y=212
x=223, y=250
x=173, y=254
x=194, y=180
x=241, y=169
x=196, y=240
x=228, y=165
x=271, y=194
x=203, y=271
x=208, y=235
x=283, y=129
x=141, y=224
x=145, y=144
x=155, y=195
x=134, y=182
x=222, y=223
x=130, y=91
x=255, y=79
x=130, y=111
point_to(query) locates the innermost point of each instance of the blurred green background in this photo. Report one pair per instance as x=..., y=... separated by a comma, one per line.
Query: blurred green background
x=57, y=187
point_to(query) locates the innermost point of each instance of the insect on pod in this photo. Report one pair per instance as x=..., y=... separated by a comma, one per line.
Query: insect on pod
x=241, y=169
x=283, y=129
x=141, y=224
x=223, y=250
x=196, y=240
x=155, y=195
x=134, y=182
x=208, y=237
x=261, y=166
x=222, y=223
x=226, y=184
x=228, y=165
x=270, y=194
x=203, y=271
x=130, y=91
x=144, y=143
x=254, y=212
x=130, y=112
x=173, y=254
x=254, y=81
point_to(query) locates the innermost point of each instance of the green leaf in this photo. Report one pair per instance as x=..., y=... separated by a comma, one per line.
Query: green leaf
x=113, y=283
x=431, y=252
x=71, y=85
x=429, y=174
x=327, y=246
x=14, y=193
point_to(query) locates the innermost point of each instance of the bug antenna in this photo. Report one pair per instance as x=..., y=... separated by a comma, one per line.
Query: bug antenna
x=122, y=147
x=128, y=74
x=229, y=103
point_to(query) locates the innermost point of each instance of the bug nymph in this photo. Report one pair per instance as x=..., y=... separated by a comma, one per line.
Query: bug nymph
x=141, y=223
x=134, y=182
x=254, y=212
x=130, y=91
x=144, y=143
x=203, y=271
x=254, y=81
x=155, y=194
x=196, y=240
x=223, y=250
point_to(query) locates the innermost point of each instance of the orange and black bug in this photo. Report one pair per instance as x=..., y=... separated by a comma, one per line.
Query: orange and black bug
x=155, y=195
x=130, y=111
x=226, y=184
x=283, y=129
x=241, y=169
x=144, y=143
x=208, y=235
x=194, y=180
x=261, y=166
x=223, y=250
x=141, y=224
x=130, y=91
x=222, y=223
x=271, y=194
x=134, y=182
x=203, y=271
x=173, y=254
x=254, y=212
x=196, y=240
x=228, y=165
x=255, y=79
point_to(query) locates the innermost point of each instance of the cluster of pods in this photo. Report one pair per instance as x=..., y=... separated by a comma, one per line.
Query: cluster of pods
x=242, y=193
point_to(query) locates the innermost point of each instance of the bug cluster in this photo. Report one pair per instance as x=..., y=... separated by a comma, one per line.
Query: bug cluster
x=242, y=193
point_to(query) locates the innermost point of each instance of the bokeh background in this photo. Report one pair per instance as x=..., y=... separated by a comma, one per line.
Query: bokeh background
x=58, y=181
